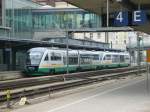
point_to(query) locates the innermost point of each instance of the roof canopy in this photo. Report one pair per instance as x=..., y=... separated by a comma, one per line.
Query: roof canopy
x=99, y=7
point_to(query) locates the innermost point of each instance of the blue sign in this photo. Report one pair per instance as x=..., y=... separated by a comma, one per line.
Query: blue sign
x=121, y=18
x=139, y=17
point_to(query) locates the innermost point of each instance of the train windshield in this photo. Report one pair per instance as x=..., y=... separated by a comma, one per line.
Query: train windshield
x=34, y=57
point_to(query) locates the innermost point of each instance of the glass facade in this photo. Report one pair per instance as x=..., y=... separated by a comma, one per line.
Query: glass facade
x=20, y=19
x=24, y=17
x=0, y=12
x=18, y=16
x=64, y=18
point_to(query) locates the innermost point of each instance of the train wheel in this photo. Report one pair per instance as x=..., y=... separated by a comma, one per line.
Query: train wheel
x=79, y=69
x=52, y=71
x=98, y=68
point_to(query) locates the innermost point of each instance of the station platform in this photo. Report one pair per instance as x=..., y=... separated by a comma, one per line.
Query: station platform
x=10, y=75
x=130, y=94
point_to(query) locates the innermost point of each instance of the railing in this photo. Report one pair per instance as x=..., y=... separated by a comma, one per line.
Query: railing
x=10, y=67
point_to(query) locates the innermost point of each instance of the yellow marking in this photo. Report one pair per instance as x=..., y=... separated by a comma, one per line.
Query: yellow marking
x=56, y=65
x=52, y=65
x=8, y=94
x=45, y=66
x=107, y=62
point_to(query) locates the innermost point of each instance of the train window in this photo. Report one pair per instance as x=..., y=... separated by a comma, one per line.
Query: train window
x=46, y=58
x=95, y=57
x=108, y=57
x=127, y=58
x=73, y=60
x=115, y=58
x=34, y=57
x=104, y=58
x=55, y=56
x=122, y=58
x=85, y=59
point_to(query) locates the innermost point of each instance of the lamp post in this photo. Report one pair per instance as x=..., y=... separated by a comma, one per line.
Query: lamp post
x=138, y=52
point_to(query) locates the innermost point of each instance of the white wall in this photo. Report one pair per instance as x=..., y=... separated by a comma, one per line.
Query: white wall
x=119, y=40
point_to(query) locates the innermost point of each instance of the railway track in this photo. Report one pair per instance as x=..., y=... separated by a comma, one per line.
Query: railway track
x=37, y=85
x=33, y=81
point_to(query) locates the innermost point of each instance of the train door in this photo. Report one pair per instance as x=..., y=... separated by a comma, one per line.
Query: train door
x=116, y=60
x=122, y=60
x=127, y=59
x=56, y=61
x=45, y=63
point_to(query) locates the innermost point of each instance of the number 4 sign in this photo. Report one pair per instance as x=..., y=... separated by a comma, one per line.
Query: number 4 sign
x=121, y=19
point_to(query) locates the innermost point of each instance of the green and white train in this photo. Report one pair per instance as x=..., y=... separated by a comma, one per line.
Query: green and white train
x=45, y=61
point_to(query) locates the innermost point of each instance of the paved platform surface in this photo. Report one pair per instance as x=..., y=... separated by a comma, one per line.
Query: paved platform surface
x=128, y=95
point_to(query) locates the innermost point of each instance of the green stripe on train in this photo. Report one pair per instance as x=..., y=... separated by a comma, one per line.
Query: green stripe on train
x=72, y=68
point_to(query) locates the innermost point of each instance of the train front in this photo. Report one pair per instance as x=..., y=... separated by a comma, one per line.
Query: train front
x=33, y=60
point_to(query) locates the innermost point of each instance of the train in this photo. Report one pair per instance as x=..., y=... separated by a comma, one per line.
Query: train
x=45, y=61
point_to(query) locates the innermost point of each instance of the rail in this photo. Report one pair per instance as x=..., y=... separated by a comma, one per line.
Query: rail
x=85, y=78
x=33, y=81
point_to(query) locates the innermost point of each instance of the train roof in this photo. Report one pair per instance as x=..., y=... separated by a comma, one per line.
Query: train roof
x=75, y=51
x=38, y=49
x=117, y=53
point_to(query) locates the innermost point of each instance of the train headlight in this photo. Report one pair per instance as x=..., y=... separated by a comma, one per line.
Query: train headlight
x=31, y=68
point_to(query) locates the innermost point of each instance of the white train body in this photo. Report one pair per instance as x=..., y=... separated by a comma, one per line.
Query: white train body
x=42, y=61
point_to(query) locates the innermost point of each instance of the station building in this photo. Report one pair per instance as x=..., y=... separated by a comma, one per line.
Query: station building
x=22, y=20
x=26, y=24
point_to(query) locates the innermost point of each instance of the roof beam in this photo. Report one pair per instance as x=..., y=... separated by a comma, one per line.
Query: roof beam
x=48, y=2
x=127, y=4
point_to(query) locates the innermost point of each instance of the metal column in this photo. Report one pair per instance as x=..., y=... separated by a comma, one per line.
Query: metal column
x=147, y=77
x=138, y=52
x=107, y=23
x=67, y=52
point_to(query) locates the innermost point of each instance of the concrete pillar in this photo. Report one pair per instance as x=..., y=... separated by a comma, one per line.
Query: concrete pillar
x=3, y=13
x=7, y=57
x=3, y=50
x=106, y=37
x=13, y=56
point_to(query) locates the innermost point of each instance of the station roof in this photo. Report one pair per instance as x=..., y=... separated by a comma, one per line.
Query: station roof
x=18, y=44
x=99, y=7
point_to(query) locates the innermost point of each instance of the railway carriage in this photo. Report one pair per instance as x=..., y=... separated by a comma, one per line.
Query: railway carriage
x=44, y=61
x=112, y=60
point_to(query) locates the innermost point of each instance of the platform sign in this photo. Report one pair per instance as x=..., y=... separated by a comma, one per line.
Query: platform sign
x=139, y=17
x=148, y=56
x=121, y=18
